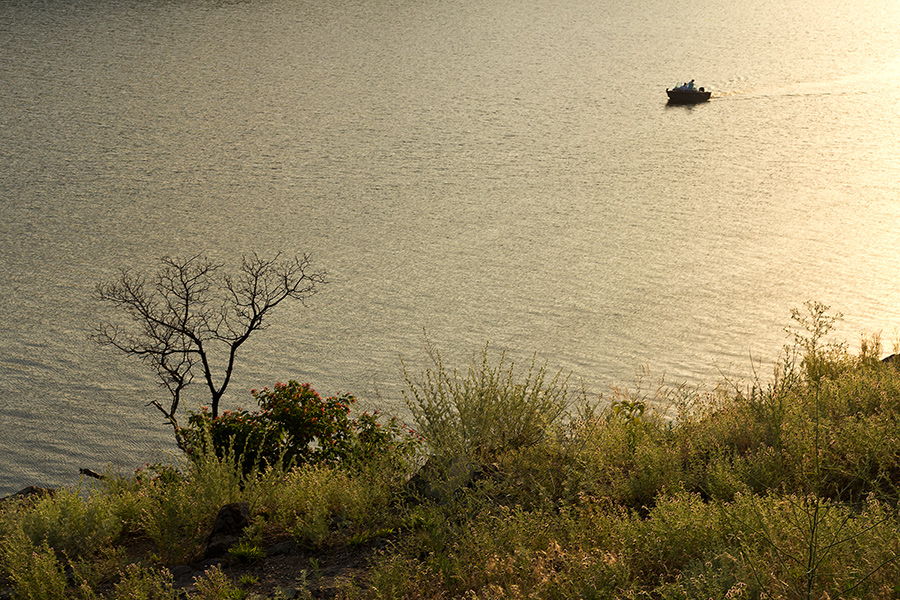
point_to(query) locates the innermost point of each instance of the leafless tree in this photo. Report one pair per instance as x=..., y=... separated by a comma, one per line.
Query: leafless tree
x=192, y=317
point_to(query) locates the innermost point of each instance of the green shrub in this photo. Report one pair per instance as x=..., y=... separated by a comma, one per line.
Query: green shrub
x=140, y=582
x=390, y=448
x=309, y=500
x=678, y=531
x=721, y=576
x=489, y=411
x=808, y=547
x=470, y=547
x=179, y=510
x=535, y=554
x=92, y=572
x=625, y=453
x=215, y=585
x=71, y=524
x=34, y=569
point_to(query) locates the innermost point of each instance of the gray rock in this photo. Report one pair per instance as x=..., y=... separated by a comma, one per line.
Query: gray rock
x=182, y=572
x=227, y=529
x=283, y=548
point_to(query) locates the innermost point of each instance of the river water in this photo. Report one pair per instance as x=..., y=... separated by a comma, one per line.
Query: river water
x=474, y=171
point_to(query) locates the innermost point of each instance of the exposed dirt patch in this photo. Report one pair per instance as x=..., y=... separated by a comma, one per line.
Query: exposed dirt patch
x=289, y=566
x=322, y=572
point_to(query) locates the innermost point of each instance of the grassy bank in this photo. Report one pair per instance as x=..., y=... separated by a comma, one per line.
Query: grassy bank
x=782, y=488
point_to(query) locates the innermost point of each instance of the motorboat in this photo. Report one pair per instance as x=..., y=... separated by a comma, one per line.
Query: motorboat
x=687, y=94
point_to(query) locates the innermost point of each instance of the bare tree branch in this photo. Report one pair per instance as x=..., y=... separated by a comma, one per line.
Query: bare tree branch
x=192, y=311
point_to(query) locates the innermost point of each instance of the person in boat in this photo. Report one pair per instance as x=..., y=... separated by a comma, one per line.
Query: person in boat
x=691, y=85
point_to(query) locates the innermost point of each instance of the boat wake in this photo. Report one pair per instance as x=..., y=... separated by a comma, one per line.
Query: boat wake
x=849, y=85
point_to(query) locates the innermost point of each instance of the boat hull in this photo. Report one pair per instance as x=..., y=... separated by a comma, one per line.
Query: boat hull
x=687, y=96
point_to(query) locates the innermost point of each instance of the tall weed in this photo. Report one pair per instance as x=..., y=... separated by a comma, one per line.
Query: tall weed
x=679, y=530
x=806, y=547
x=215, y=585
x=472, y=419
x=309, y=500
x=180, y=508
x=141, y=582
x=35, y=570
x=71, y=524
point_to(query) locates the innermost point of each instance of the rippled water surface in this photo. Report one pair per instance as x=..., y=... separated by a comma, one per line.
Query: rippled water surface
x=479, y=170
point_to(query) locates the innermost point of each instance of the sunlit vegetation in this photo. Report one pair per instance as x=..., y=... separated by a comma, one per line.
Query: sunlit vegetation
x=520, y=487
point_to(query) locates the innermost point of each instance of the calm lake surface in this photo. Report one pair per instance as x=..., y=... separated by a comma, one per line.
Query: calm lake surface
x=502, y=171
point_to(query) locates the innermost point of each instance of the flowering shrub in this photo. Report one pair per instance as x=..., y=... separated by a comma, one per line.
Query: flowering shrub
x=296, y=425
x=391, y=441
